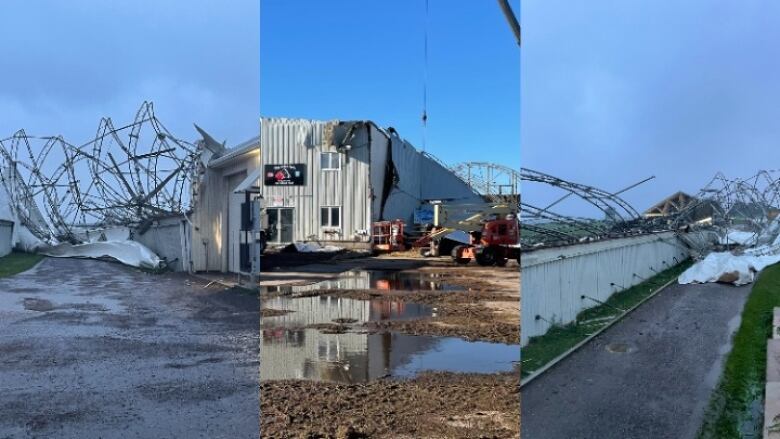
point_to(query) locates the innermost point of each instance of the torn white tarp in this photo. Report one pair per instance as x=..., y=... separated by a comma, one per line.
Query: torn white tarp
x=313, y=247
x=739, y=237
x=730, y=268
x=127, y=252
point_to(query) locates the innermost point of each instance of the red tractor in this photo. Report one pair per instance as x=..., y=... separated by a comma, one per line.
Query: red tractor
x=495, y=244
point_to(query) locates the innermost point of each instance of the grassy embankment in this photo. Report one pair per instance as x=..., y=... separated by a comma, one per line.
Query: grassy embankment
x=17, y=262
x=545, y=348
x=736, y=407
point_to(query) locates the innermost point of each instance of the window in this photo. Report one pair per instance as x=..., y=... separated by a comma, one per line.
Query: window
x=330, y=217
x=330, y=161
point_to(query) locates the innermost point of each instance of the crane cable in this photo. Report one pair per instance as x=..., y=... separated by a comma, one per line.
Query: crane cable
x=425, y=82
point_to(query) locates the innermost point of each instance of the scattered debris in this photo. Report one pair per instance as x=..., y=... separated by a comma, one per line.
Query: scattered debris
x=62, y=195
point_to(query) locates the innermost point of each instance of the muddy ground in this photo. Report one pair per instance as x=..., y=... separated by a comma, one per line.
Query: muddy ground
x=488, y=309
x=93, y=349
x=434, y=405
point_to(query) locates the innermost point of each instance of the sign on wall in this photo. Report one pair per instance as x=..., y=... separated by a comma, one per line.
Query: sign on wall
x=285, y=175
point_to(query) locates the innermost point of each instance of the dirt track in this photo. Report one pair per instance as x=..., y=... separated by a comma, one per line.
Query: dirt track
x=430, y=406
x=93, y=349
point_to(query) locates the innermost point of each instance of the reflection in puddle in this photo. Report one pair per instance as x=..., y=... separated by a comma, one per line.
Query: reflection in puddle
x=349, y=358
x=328, y=309
x=290, y=351
x=377, y=280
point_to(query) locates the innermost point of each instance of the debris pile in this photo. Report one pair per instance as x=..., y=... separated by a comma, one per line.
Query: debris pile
x=63, y=196
x=742, y=234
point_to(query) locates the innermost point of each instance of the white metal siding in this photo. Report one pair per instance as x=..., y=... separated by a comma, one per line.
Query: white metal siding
x=553, y=280
x=232, y=231
x=210, y=243
x=6, y=237
x=288, y=141
x=419, y=179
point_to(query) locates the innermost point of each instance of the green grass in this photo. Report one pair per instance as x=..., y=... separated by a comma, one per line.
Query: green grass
x=560, y=338
x=17, y=263
x=732, y=410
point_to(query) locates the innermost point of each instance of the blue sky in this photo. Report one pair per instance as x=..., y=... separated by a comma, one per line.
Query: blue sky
x=358, y=59
x=67, y=64
x=615, y=91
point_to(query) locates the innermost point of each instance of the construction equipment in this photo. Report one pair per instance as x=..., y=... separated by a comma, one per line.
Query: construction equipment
x=493, y=232
x=388, y=236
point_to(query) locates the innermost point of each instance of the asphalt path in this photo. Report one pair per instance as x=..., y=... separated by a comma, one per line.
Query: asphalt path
x=649, y=376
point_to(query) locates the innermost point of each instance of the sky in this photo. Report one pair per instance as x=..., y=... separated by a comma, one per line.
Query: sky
x=616, y=91
x=358, y=60
x=67, y=64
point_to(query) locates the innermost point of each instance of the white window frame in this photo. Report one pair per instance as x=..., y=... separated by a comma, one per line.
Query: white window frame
x=329, y=225
x=330, y=166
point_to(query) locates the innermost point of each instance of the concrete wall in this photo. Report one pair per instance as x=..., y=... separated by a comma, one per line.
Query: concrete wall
x=553, y=280
x=170, y=239
x=6, y=237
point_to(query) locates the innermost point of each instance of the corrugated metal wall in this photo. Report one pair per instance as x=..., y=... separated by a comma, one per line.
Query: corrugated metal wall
x=288, y=141
x=168, y=239
x=210, y=231
x=356, y=187
x=554, y=280
x=420, y=178
x=6, y=237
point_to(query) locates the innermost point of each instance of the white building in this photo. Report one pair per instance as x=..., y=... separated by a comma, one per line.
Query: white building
x=324, y=181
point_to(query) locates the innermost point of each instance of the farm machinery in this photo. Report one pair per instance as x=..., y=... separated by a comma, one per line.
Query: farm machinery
x=492, y=230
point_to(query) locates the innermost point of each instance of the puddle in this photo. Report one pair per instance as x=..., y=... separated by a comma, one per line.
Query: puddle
x=33, y=304
x=290, y=350
x=377, y=280
x=314, y=310
x=620, y=348
x=352, y=357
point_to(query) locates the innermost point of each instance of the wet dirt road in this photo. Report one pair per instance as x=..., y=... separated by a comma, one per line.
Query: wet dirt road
x=650, y=375
x=390, y=348
x=93, y=349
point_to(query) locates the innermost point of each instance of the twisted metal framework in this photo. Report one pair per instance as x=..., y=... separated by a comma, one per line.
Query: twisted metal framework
x=497, y=183
x=749, y=202
x=542, y=226
x=122, y=177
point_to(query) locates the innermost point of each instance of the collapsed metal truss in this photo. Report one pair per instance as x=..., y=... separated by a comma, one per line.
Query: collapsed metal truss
x=497, y=183
x=751, y=203
x=124, y=176
x=542, y=225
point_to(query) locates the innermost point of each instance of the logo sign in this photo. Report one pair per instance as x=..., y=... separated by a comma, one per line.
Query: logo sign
x=284, y=175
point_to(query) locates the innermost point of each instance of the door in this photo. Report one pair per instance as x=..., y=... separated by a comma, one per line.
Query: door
x=233, y=223
x=280, y=225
